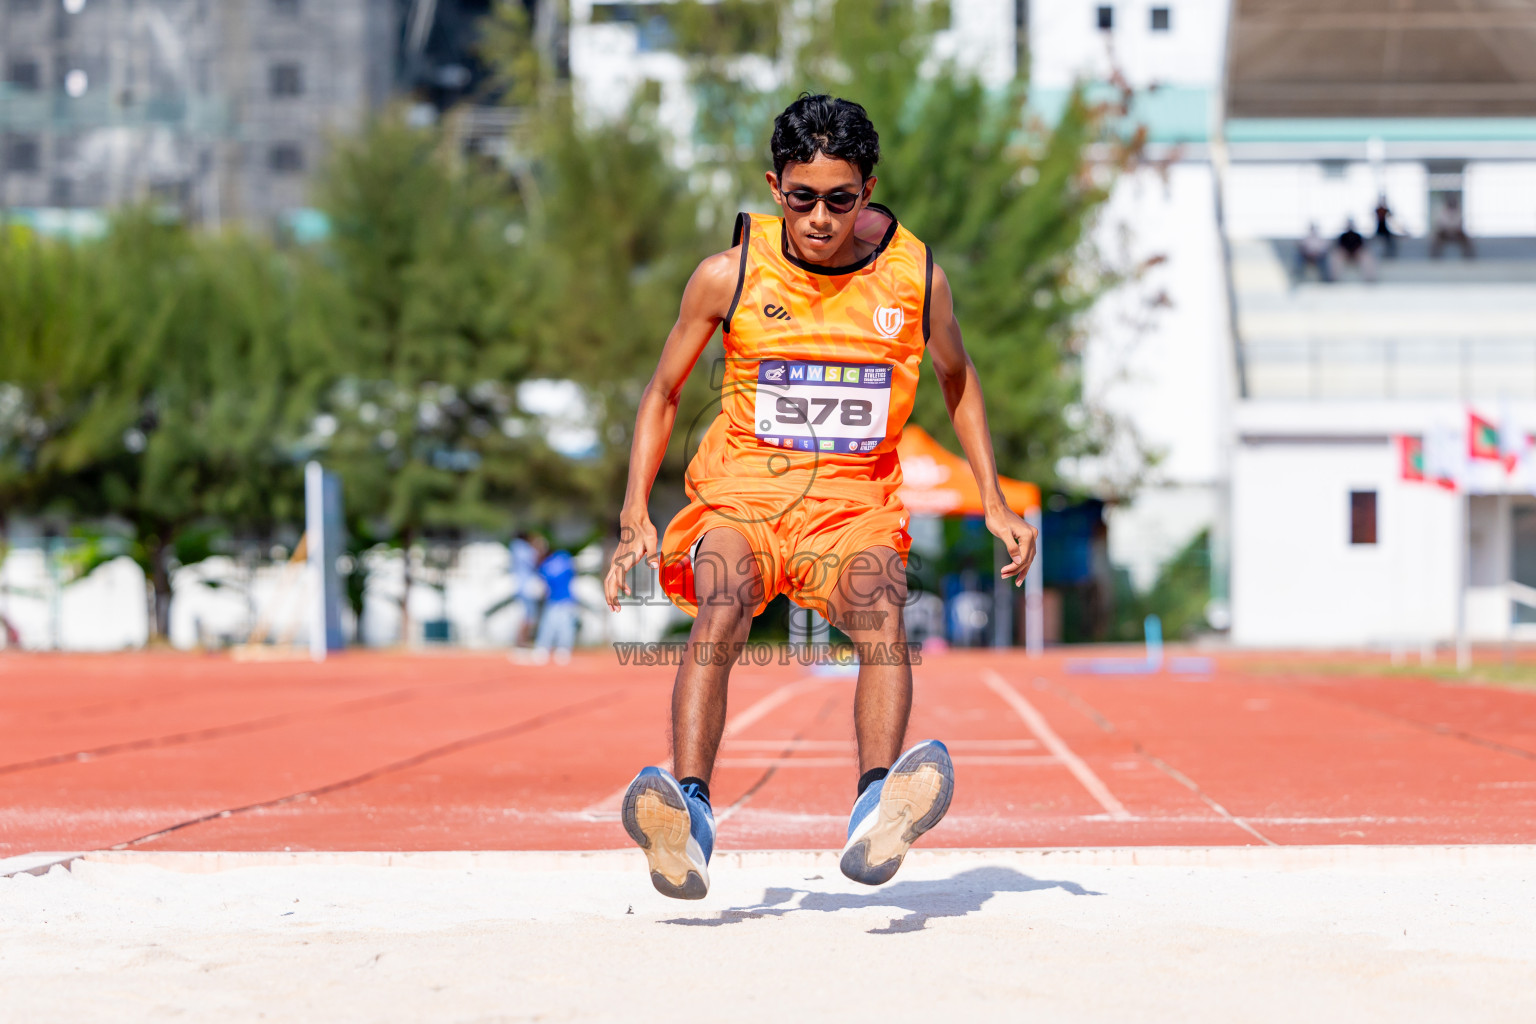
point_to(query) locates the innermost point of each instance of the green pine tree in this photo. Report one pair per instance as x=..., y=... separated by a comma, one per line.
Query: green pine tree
x=430, y=304
x=165, y=385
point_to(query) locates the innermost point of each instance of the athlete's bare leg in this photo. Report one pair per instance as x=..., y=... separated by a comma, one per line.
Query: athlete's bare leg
x=867, y=604
x=729, y=588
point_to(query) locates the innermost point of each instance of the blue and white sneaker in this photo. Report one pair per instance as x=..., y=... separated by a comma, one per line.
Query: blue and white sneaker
x=676, y=829
x=889, y=816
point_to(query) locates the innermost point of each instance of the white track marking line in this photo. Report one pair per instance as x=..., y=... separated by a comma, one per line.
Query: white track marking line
x=607, y=808
x=1189, y=784
x=1042, y=729
x=846, y=762
x=839, y=746
x=850, y=747
x=783, y=695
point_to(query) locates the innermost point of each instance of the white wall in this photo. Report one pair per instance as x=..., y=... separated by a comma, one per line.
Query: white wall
x=1279, y=200
x=1158, y=361
x=106, y=611
x=1066, y=45
x=1158, y=348
x=981, y=38
x=1500, y=199
x=1296, y=579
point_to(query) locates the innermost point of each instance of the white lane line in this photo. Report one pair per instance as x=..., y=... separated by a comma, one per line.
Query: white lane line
x=1042, y=729
x=841, y=746
x=850, y=747
x=785, y=762
x=783, y=695
x=845, y=762
x=1189, y=784
x=607, y=808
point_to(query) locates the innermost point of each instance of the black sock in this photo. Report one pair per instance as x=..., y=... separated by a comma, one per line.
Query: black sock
x=871, y=777
x=703, y=793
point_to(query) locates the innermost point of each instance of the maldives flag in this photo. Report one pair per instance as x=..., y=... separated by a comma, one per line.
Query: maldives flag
x=1482, y=439
x=1444, y=463
x=1411, y=464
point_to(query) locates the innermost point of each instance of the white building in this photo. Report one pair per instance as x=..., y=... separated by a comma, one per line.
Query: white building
x=1324, y=113
x=1158, y=357
x=1275, y=399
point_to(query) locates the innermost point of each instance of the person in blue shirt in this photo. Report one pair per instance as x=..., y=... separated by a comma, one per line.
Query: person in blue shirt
x=557, y=625
x=527, y=551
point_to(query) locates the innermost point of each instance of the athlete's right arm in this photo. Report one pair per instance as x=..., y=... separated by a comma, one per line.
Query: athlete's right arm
x=706, y=302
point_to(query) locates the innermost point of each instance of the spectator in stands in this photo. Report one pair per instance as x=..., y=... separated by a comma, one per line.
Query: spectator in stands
x=1353, y=251
x=1312, y=251
x=1384, y=233
x=1448, y=227
x=557, y=625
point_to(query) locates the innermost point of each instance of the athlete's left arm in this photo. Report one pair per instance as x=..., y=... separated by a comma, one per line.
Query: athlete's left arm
x=968, y=412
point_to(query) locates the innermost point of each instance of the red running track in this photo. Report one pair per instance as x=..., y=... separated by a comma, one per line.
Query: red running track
x=389, y=752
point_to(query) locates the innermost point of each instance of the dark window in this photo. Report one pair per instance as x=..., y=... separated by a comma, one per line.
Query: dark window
x=1362, y=517
x=285, y=158
x=22, y=154
x=1106, y=18
x=24, y=75
x=1162, y=19
x=287, y=80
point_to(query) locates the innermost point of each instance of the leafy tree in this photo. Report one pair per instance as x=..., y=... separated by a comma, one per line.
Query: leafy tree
x=43, y=296
x=611, y=229
x=164, y=381
x=1179, y=595
x=430, y=310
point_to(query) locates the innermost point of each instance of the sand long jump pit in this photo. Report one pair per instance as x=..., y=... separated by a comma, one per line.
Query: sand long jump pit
x=1177, y=934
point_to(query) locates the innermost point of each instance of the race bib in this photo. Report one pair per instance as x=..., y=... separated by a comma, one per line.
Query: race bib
x=828, y=407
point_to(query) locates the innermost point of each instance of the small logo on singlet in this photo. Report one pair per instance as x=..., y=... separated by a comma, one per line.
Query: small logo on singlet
x=888, y=320
x=775, y=312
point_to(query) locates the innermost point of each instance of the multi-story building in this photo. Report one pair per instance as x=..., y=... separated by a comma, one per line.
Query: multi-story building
x=1275, y=397
x=219, y=107
x=1423, y=111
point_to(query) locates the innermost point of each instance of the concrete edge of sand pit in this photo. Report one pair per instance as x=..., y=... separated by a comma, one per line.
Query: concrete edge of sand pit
x=1285, y=858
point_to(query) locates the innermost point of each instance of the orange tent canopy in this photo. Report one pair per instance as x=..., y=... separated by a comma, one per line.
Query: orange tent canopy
x=938, y=483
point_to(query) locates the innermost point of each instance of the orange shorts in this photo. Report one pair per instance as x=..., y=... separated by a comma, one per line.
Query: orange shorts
x=801, y=545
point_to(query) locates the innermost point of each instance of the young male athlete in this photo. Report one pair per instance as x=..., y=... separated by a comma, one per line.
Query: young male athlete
x=827, y=313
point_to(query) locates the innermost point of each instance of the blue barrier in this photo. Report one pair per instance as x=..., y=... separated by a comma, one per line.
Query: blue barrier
x=1150, y=665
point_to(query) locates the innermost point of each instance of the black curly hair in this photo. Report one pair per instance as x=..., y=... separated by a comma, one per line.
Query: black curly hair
x=821, y=124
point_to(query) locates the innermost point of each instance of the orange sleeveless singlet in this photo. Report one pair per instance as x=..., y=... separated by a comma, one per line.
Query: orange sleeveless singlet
x=821, y=369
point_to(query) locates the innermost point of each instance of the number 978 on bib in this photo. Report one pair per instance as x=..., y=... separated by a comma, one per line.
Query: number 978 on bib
x=828, y=407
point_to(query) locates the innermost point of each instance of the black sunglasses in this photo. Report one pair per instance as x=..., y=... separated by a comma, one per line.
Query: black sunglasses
x=803, y=200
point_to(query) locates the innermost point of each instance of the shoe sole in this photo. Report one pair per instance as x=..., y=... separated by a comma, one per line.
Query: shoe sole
x=913, y=798
x=656, y=817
